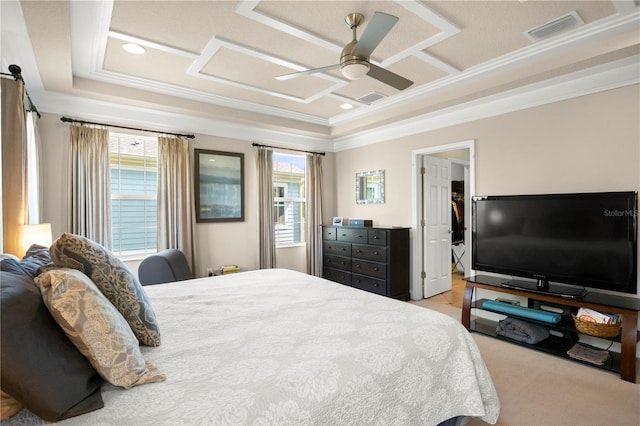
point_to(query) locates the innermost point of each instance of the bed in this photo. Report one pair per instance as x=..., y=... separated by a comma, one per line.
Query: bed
x=276, y=347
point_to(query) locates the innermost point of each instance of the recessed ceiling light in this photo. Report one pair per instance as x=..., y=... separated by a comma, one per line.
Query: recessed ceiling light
x=133, y=48
x=346, y=106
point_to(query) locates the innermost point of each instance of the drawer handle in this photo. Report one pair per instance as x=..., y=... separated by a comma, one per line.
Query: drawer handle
x=342, y=263
x=375, y=237
x=360, y=236
x=376, y=253
x=357, y=266
x=376, y=269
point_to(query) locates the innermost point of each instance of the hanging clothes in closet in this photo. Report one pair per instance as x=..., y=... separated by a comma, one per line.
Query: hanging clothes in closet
x=457, y=212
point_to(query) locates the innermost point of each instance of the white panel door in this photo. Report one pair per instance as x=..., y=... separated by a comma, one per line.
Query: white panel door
x=436, y=184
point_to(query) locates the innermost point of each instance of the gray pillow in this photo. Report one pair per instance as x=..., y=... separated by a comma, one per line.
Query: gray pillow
x=36, y=257
x=114, y=280
x=40, y=367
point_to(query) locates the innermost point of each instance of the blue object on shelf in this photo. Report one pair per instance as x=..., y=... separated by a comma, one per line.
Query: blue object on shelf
x=522, y=312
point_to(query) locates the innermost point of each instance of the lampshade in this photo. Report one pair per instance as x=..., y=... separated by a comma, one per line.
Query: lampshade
x=36, y=234
x=355, y=71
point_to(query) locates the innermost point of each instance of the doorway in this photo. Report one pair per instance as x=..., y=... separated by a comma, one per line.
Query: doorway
x=432, y=249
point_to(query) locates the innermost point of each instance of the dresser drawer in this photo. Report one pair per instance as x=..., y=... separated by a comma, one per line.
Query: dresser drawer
x=336, y=247
x=375, y=253
x=337, y=275
x=378, y=237
x=374, y=269
x=373, y=285
x=353, y=235
x=329, y=233
x=338, y=262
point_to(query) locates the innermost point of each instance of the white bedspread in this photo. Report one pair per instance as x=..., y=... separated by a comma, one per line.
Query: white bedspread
x=277, y=347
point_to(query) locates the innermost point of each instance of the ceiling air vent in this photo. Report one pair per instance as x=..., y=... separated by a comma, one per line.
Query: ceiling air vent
x=371, y=98
x=554, y=27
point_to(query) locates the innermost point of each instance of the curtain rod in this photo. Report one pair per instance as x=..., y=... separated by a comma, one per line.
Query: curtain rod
x=16, y=73
x=290, y=149
x=73, y=120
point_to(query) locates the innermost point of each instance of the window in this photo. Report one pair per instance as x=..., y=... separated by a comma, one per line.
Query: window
x=33, y=177
x=289, y=199
x=134, y=175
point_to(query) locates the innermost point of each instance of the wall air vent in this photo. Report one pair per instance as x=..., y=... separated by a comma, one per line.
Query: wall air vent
x=551, y=28
x=371, y=98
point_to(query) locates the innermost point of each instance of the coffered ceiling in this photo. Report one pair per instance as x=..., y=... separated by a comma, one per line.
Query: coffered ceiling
x=218, y=59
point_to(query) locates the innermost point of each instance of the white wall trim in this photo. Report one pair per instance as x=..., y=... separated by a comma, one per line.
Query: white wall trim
x=416, y=288
x=612, y=75
x=600, y=78
x=108, y=112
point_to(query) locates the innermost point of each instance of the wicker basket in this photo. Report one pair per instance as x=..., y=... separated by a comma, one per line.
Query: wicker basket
x=595, y=329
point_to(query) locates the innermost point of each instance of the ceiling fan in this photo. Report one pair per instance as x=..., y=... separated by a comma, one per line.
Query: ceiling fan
x=354, y=59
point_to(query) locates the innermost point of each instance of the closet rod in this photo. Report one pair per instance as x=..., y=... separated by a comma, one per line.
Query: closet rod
x=73, y=120
x=289, y=149
x=16, y=72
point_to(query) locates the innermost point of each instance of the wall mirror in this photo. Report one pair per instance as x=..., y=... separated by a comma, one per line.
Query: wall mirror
x=370, y=187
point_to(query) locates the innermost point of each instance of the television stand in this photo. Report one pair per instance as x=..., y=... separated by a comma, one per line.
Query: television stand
x=543, y=286
x=626, y=307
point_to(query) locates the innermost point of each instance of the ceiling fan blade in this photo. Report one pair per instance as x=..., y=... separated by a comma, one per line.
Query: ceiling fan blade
x=388, y=77
x=376, y=30
x=307, y=72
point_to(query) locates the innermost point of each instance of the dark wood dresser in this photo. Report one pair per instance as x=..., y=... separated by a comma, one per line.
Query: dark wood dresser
x=371, y=259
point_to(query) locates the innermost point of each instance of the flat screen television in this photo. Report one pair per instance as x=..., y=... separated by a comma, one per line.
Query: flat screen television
x=585, y=240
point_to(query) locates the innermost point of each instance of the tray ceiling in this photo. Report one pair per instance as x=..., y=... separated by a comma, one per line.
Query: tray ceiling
x=218, y=59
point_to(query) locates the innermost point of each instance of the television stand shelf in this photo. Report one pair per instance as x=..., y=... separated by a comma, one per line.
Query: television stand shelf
x=626, y=307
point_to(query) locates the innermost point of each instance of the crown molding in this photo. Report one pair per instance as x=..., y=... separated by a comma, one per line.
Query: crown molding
x=621, y=73
x=605, y=77
x=110, y=112
x=90, y=31
x=606, y=27
x=608, y=76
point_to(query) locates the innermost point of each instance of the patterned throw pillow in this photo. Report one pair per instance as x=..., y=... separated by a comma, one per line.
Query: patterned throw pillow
x=96, y=327
x=114, y=280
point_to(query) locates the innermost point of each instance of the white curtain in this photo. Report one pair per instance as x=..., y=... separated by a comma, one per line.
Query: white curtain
x=314, y=214
x=14, y=166
x=266, y=226
x=89, y=191
x=175, y=197
x=34, y=179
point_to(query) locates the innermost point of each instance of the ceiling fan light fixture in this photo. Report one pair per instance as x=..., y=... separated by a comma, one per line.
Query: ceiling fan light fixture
x=355, y=71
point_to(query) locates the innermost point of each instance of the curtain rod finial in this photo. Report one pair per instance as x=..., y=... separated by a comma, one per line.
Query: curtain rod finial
x=15, y=71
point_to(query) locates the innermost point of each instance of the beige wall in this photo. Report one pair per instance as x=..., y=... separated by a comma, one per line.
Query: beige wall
x=216, y=244
x=590, y=143
x=587, y=144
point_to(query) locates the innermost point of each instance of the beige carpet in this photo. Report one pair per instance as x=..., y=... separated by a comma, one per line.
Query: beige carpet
x=540, y=389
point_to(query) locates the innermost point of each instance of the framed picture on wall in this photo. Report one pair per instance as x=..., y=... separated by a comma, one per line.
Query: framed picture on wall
x=219, y=191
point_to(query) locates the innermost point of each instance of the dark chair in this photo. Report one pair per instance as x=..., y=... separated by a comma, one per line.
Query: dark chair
x=164, y=267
